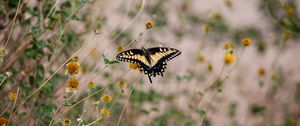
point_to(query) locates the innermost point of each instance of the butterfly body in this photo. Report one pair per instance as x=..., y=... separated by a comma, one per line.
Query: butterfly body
x=151, y=61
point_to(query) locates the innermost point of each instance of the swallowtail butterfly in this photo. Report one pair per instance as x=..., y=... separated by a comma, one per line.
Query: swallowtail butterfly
x=151, y=61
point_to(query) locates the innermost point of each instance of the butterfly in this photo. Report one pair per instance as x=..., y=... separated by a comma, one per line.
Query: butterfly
x=151, y=61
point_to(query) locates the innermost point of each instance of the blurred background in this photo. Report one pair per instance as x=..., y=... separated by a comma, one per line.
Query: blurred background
x=238, y=67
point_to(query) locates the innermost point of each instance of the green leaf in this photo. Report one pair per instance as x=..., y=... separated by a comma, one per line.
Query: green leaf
x=201, y=112
x=258, y=109
x=144, y=111
x=26, y=89
x=74, y=17
x=232, y=109
x=109, y=62
x=35, y=31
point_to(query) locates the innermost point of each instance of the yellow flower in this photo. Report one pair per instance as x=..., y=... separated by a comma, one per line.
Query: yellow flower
x=228, y=3
x=217, y=16
x=3, y=121
x=12, y=96
x=149, y=25
x=246, y=41
x=91, y=84
x=201, y=57
x=232, y=45
x=73, y=67
x=206, y=28
x=73, y=83
x=3, y=52
x=261, y=72
x=285, y=36
x=67, y=122
x=229, y=58
x=226, y=46
x=105, y=112
x=76, y=58
x=210, y=67
x=274, y=77
x=289, y=9
x=133, y=66
x=106, y=98
x=122, y=84
x=120, y=48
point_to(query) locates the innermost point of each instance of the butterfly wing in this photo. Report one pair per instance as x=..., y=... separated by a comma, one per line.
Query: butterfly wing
x=162, y=54
x=132, y=55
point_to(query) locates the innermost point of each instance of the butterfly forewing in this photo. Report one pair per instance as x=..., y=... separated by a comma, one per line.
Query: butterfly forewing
x=132, y=55
x=163, y=54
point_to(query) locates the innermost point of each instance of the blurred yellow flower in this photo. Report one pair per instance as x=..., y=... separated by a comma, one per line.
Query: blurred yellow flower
x=210, y=67
x=3, y=121
x=91, y=84
x=229, y=58
x=133, y=66
x=226, y=46
x=289, y=9
x=76, y=58
x=246, y=41
x=12, y=96
x=106, y=98
x=228, y=3
x=73, y=83
x=149, y=25
x=261, y=71
x=274, y=77
x=122, y=84
x=67, y=122
x=217, y=16
x=105, y=112
x=285, y=36
x=73, y=67
x=206, y=28
x=120, y=48
x=201, y=57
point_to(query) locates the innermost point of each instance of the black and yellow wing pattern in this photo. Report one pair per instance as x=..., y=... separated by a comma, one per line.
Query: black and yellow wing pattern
x=151, y=61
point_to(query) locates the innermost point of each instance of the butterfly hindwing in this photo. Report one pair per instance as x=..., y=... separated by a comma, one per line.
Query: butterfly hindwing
x=157, y=69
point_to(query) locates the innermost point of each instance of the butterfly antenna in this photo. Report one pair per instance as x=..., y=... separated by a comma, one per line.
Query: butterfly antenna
x=150, y=78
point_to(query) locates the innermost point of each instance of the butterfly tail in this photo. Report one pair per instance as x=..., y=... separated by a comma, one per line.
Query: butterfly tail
x=150, y=78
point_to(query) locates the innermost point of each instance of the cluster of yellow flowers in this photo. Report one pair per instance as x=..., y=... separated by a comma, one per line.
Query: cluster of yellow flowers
x=73, y=69
x=105, y=112
x=122, y=84
x=229, y=57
